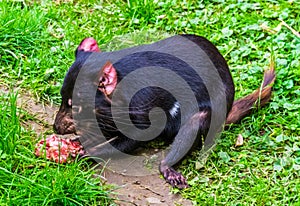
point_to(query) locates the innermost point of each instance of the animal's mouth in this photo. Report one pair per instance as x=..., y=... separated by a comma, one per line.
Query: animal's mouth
x=65, y=126
x=70, y=129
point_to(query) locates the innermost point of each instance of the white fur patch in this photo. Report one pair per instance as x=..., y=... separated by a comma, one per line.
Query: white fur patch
x=174, y=110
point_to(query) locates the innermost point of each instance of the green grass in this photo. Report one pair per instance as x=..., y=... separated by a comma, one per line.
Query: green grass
x=26, y=180
x=37, y=43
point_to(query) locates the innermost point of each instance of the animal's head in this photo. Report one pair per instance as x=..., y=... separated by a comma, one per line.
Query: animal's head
x=105, y=80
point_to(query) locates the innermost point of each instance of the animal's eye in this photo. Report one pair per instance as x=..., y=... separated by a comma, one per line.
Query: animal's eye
x=76, y=109
x=70, y=102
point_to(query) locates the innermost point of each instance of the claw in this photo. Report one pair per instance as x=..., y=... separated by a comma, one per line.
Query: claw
x=175, y=179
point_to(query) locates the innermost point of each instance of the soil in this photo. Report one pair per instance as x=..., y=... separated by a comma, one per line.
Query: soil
x=146, y=190
x=130, y=190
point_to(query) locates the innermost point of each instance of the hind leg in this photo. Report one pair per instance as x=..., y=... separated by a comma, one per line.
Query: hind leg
x=183, y=142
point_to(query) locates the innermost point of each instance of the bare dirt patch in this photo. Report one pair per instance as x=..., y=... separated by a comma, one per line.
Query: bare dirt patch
x=146, y=190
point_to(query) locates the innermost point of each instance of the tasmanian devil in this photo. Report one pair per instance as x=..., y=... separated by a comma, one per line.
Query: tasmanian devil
x=184, y=76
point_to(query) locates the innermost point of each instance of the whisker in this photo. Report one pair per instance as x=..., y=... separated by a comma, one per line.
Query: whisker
x=107, y=142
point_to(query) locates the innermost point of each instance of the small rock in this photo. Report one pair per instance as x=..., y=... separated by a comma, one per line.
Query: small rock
x=239, y=141
x=153, y=200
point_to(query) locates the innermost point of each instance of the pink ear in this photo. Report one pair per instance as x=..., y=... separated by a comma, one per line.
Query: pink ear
x=108, y=78
x=88, y=45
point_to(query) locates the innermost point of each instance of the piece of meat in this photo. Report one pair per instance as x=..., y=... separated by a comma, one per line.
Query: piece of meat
x=57, y=149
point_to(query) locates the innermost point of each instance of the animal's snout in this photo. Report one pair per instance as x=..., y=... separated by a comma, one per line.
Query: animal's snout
x=64, y=124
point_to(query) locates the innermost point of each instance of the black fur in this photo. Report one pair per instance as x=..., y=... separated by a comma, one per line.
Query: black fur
x=148, y=98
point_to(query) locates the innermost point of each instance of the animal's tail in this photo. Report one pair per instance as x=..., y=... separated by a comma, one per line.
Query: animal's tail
x=259, y=97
